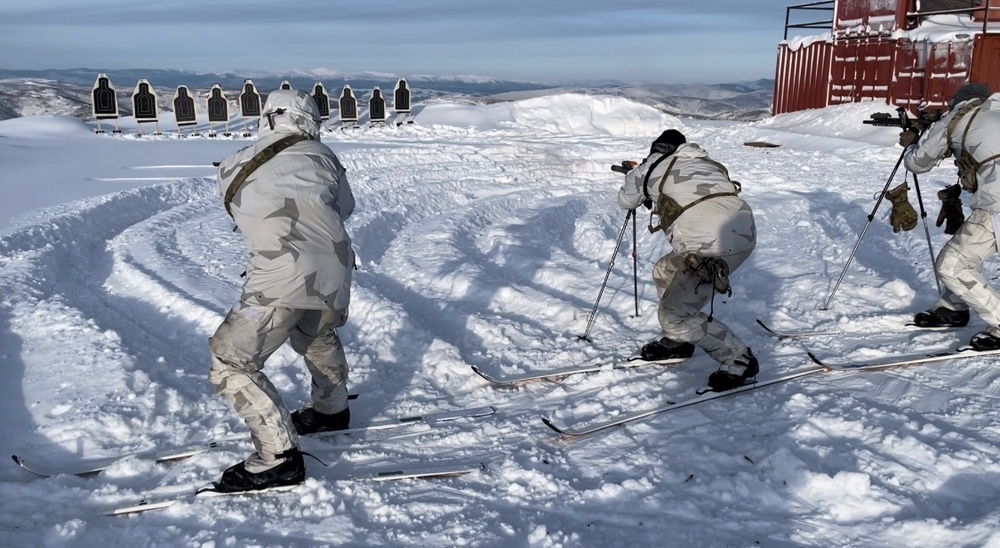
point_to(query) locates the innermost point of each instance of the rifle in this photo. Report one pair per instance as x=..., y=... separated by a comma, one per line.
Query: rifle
x=902, y=120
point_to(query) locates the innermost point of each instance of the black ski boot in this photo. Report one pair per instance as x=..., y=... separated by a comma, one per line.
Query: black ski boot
x=942, y=317
x=733, y=376
x=310, y=421
x=666, y=349
x=236, y=479
x=985, y=341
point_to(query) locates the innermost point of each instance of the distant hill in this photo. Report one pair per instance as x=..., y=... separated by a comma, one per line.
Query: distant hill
x=67, y=91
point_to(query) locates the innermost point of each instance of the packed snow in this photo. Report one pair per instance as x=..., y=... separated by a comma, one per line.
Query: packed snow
x=484, y=234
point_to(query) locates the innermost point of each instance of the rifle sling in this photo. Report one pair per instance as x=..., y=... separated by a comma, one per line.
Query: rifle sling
x=258, y=160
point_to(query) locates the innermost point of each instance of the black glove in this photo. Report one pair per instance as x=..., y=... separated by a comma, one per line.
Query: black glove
x=951, y=208
x=907, y=137
x=903, y=216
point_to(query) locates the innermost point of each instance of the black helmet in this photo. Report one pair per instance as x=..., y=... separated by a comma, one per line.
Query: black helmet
x=667, y=142
x=969, y=91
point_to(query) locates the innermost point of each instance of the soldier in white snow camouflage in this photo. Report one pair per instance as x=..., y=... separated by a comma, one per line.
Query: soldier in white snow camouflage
x=289, y=196
x=711, y=232
x=970, y=132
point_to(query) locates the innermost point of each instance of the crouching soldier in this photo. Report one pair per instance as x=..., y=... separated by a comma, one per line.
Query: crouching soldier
x=711, y=232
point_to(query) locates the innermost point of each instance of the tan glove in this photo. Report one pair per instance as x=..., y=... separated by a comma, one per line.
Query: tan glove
x=907, y=137
x=903, y=216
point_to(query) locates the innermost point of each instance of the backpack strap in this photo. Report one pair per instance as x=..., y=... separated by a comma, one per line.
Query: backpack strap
x=958, y=116
x=669, y=210
x=968, y=167
x=645, y=182
x=663, y=180
x=258, y=160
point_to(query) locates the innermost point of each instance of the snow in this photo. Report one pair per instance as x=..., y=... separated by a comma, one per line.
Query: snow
x=484, y=233
x=948, y=28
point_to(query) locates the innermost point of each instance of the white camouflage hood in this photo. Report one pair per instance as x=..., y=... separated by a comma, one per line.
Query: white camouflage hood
x=289, y=112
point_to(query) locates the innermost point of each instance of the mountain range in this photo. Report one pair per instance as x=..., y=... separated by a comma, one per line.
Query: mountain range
x=68, y=91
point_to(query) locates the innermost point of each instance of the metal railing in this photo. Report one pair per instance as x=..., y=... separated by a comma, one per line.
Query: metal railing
x=991, y=7
x=826, y=5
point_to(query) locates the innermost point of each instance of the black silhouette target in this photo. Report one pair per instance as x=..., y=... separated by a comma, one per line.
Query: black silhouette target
x=401, y=97
x=218, y=107
x=144, y=103
x=322, y=101
x=348, y=105
x=250, y=101
x=376, y=106
x=105, y=102
x=184, y=110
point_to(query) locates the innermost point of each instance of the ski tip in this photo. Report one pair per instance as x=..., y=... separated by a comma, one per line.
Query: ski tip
x=491, y=379
x=769, y=330
x=26, y=466
x=552, y=425
x=481, y=373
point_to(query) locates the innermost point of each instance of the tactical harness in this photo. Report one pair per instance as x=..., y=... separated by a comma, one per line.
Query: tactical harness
x=258, y=160
x=666, y=208
x=967, y=165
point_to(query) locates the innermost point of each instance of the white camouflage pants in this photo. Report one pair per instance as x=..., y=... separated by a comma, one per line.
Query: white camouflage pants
x=960, y=267
x=681, y=302
x=241, y=345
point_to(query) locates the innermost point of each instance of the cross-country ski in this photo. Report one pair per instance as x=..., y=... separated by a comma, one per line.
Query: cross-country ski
x=697, y=397
x=94, y=465
x=904, y=360
x=555, y=374
x=159, y=502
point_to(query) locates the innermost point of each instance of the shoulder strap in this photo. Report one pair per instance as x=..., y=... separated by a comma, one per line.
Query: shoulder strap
x=669, y=210
x=961, y=114
x=666, y=174
x=972, y=163
x=645, y=182
x=258, y=160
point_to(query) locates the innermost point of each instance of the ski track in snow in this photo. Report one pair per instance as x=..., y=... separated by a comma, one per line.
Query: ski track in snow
x=487, y=248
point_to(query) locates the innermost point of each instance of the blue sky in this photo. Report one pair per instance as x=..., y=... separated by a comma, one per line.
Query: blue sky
x=637, y=41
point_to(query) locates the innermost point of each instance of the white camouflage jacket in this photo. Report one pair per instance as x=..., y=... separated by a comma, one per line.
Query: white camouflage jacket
x=291, y=211
x=717, y=226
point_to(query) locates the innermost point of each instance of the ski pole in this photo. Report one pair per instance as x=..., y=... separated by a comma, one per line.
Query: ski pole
x=927, y=232
x=635, y=267
x=871, y=217
x=907, y=124
x=593, y=313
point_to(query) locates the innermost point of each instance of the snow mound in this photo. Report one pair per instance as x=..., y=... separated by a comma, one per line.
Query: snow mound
x=27, y=127
x=577, y=114
x=568, y=113
x=841, y=121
